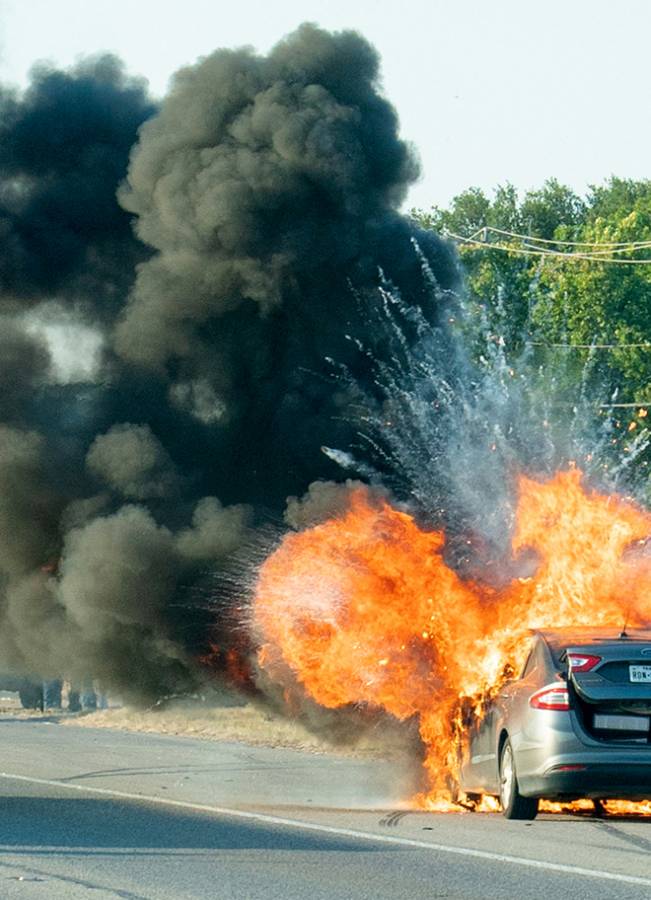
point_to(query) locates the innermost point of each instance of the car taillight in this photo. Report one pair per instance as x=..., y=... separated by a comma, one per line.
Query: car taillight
x=582, y=662
x=553, y=696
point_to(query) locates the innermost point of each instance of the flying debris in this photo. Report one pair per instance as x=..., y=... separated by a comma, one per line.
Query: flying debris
x=347, y=461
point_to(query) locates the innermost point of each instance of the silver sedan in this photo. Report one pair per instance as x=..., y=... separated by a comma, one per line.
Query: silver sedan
x=576, y=723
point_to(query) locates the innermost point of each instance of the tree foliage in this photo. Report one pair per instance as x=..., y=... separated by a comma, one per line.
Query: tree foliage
x=563, y=299
x=581, y=304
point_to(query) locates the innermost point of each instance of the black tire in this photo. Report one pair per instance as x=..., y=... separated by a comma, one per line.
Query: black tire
x=514, y=805
x=31, y=696
x=599, y=809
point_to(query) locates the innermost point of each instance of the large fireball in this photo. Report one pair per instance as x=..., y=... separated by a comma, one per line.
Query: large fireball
x=363, y=609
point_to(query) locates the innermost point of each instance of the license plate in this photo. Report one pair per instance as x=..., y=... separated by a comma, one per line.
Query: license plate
x=622, y=723
x=640, y=673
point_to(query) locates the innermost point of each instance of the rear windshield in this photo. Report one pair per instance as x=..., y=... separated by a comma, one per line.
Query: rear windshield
x=558, y=656
x=558, y=647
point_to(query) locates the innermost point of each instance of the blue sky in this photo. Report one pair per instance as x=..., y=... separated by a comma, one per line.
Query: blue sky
x=487, y=91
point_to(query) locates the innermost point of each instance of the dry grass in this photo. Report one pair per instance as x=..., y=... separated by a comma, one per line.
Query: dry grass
x=229, y=718
x=248, y=724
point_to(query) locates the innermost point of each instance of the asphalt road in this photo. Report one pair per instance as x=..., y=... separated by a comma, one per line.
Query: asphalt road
x=99, y=814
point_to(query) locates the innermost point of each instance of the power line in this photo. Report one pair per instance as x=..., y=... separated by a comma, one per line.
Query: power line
x=641, y=346
x=556, y=254
x=527, y=237
x=531, y=247
x=592, y=254
x=624, y=405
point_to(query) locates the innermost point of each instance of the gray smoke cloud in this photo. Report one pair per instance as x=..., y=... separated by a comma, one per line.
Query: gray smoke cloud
x=263, y=186
x=24, y=367
x=29, y=514
x=29, y=507
x=131, y=459
x=214, y=253
x=34, y=627
x=323, y=500
x=117, y=574
x=64, y=143
x=216, y=531
x=256, y=169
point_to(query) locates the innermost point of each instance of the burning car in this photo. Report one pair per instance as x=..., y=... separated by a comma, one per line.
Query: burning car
x=575, y=724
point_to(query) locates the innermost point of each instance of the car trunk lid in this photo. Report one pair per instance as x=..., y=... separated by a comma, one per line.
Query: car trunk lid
x=618, y=673
x=612, y=684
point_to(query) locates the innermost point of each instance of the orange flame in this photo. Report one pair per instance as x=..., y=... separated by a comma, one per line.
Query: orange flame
x=363, y=609
x=233, y=662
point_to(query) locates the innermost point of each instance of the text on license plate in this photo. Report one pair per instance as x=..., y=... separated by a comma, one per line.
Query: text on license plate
x=640, y=673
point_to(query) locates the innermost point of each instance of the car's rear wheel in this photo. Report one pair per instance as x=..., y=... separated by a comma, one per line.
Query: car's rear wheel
x=514, y=805
x=599, y=809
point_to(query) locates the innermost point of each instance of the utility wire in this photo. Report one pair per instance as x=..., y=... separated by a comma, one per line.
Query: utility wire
x=641, y=346
x=531, y=247
x=587, y=254
x=531, y=251
x=527, y=237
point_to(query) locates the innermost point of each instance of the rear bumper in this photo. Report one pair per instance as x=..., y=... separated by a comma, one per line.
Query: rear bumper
x=623, y=780
x=555, y=740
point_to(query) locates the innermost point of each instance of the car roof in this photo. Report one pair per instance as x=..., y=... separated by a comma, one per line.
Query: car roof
x=568, y=637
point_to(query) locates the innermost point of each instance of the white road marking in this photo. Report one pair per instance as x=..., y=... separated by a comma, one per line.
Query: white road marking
x=266, y=819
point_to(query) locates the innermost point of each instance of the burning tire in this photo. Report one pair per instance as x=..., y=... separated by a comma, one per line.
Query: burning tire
x=514, y=805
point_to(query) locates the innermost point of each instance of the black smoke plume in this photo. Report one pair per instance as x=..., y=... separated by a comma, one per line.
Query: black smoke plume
x=64, y=146
x=222, y=248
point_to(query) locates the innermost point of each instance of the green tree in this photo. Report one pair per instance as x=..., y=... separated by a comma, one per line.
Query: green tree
x=503, y=284
x=586, y=301
x=563, y=299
